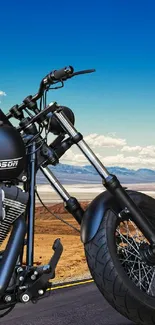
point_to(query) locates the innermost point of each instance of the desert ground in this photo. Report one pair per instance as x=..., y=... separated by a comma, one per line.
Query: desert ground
x=72, y=265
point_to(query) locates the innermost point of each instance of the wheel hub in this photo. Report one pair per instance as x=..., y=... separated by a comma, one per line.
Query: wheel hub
x=147, y=254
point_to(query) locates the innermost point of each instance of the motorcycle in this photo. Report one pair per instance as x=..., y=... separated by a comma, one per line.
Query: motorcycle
x=117, y=228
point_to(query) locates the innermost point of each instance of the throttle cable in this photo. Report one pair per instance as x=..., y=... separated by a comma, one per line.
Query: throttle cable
x=53, y=214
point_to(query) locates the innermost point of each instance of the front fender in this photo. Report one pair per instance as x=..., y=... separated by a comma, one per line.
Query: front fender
x=94, y=214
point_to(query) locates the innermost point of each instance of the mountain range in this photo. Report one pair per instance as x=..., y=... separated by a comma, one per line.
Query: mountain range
x=69, y=174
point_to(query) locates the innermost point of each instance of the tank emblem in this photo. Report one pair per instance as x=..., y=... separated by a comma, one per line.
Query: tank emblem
x=9, y=163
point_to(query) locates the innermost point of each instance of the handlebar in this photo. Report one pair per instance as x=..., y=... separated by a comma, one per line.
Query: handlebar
x=52, y=78
x=62, y=75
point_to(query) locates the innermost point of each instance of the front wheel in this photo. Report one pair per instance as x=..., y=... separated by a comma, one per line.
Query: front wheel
x=118, y=266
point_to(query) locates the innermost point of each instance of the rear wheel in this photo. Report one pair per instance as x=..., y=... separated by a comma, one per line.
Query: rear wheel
x=117, y=263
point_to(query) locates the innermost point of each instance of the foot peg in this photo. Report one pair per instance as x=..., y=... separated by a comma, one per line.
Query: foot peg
x=45, y=273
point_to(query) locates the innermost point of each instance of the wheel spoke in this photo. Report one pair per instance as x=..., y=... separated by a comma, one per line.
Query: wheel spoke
x=129, y=240
x=130, y=244
x=133, y=266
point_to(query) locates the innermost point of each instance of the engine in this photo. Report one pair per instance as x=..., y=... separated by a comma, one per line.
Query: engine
x=13, y=203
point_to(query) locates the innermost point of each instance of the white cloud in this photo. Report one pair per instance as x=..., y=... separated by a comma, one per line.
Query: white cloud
x=131, y=149
x=148, y=151
x=96, y=140
x=129, y=161
x=74, y=159
x=126, y=156
x=2, y=93
x=77, y=159
x=120, y=160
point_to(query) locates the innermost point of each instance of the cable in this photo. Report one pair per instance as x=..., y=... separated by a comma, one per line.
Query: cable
x=40, y=104
x=35, y=137
x=57, y=217
x=42, y=140
x=36, y=150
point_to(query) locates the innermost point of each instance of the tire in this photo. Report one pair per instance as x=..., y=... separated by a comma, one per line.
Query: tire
x=110, y=274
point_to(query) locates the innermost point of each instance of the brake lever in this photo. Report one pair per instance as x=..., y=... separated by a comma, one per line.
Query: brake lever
x=76, y=74
x=58, y=87
x=82, y=72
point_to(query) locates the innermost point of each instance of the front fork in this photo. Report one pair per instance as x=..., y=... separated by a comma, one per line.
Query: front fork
x=111, y=182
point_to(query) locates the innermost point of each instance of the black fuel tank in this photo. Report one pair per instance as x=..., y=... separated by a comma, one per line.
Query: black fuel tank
x=12, y=151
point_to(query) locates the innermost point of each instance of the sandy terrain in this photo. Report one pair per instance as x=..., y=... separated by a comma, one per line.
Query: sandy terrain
x=72, y=264
x=47, y=228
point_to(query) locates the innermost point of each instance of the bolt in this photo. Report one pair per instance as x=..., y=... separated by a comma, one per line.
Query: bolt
x=35, y=272
x=22, y=287
x=41, y=292
x=24, y=178
x=45, y=151
x=21, y=278
x=46, y=268
x=25, y=297
x=8, y=298
x=126, y=210
x=20, y=269
x=33, y=277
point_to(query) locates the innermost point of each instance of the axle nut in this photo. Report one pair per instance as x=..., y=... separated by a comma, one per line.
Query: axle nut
x=25, y=297
x=24, y=178
x=7, y=298
x=33, y=277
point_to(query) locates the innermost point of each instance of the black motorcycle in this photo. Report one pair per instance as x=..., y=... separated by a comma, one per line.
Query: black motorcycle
x=117, y=228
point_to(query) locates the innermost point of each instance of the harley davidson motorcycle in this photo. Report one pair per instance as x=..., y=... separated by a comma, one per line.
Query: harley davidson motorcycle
x=117, y=228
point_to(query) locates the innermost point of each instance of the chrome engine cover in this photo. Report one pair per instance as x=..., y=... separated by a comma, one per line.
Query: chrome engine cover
x=13, y=203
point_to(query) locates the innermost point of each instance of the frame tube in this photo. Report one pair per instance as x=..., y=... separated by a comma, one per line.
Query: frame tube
x=31, y=204
x=11, y=253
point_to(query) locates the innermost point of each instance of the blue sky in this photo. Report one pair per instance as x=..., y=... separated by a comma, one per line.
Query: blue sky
x=116, y=38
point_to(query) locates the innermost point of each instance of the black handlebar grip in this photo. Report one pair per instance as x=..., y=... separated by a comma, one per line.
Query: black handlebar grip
x=60, y=74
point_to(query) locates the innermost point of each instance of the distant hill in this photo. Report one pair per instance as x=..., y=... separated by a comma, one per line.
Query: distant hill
x=69, y=174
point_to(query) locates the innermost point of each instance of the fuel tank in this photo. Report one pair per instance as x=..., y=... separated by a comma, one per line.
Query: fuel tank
x=12, y=150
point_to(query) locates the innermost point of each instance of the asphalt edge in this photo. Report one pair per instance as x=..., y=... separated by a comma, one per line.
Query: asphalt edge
x=70, y=284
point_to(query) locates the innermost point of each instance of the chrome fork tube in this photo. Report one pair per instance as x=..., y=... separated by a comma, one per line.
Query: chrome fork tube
x=71, y=203
x=89, y=154
x=93, y=159
x=55, y=183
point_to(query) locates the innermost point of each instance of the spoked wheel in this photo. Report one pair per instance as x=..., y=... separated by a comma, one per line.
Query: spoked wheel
x=131, y=246
x=116, y=257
